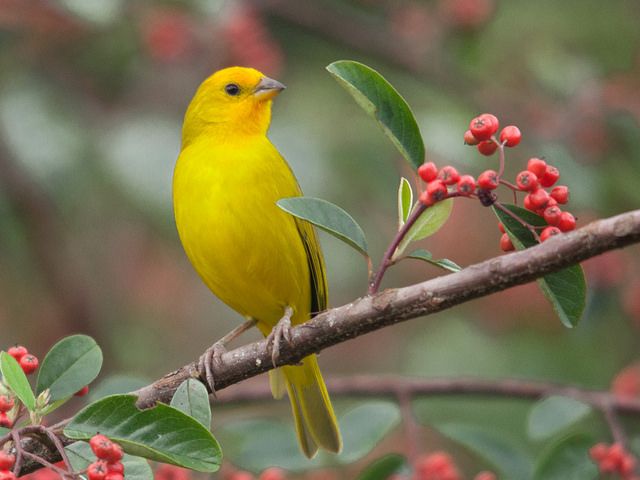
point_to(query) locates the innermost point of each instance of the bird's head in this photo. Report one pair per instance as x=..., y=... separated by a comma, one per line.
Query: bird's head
x=232, y=101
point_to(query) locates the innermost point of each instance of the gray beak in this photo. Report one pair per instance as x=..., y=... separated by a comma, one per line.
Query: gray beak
x=268, y=88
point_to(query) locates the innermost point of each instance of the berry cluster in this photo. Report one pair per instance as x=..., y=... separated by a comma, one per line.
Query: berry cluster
x=7, y=403
x=614, y=459
x=109, y=464
x=447, y=182
x=7, y=460
x=28, y=363
x=439, y=466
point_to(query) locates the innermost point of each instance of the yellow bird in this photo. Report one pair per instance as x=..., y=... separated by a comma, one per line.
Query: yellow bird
x=259, y=260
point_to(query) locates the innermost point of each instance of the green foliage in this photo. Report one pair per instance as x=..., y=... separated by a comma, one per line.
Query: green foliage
x=192, y=398
x=71, y=364
x=161, y=433
x=405, y=201
x=16, y=380
x=135, y=468
x=554, y=414
x=429, y=222
x=566, y=289
x=383, y=468
x=380, y=100
x=327, y=216
x=567, y=459
x=426, y=256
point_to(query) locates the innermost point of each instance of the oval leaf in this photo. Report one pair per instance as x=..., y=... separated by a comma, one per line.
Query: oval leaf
x=383, y=468
x=135, y=468
x=405, y=201
x=554, y=414
x=493, y=447
x=71, y=364
x=192, y=398
x=380, y=100
x=444, y=263
x=16, y=380
x=327, y=216
x=161, y=433
x=568, y=460
x=566, y=289
x=431, y=220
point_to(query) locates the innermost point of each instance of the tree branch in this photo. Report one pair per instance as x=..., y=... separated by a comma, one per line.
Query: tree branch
x=394, y=305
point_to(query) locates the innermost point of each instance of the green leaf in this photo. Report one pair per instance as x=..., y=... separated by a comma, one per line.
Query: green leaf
x=71, y=364
x=4, y=431
x=494, y=448
x=192, y=398
x=135, y=468
x=445, y=263
x=566, y=289
x=16, y=380
x=161, y=433
x=383, y=468
x=568, y=460
x=431, y=220
x=554, y=414
x=405, y=201
x=327, y=216
x=380, y=100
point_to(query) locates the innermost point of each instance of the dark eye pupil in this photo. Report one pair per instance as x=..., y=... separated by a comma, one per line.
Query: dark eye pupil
x=232, y=89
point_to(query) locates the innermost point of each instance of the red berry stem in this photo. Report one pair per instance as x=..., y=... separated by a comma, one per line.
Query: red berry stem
x=528, y=226
x=500, y=156
x=387, y=261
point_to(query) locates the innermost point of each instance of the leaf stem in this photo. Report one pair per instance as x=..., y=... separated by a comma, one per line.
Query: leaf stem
x=528, y=226
x=387, y=261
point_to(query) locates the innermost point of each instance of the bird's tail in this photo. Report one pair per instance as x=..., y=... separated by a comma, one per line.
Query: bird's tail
x=316, y=423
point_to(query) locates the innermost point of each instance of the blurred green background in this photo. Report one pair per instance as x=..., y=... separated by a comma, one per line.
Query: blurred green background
x=92, y=94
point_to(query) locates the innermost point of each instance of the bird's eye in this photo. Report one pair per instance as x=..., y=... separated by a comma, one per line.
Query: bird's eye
x=232, y=89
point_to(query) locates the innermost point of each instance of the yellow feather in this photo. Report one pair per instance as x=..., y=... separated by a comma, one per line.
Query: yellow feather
x=252, y=255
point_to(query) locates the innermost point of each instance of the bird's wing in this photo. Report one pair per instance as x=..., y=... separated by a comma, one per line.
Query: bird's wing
x=318, y=277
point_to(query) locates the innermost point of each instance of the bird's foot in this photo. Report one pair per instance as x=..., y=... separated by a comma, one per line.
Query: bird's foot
x=212, y=358
x=281, y=332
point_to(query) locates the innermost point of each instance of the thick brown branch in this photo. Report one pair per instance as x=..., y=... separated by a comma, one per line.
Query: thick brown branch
x=395, y=305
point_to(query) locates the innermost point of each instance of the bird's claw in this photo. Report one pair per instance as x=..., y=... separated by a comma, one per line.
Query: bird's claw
x=210, y=359
x=281, y=332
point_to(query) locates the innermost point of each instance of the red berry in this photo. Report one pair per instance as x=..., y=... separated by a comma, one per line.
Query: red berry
x=469, y=139
x=616, y=452
x=505, y=243
x=560, y=194
x=97, y=470
x=510, y=136
x=436, y=190
x=483, y=126
x=567, y=222
x=17, y=352
x=552, y=215
x=82, y=392
x=115, y=453
x=449, y=175
x=241, y=475
x=501, y=227
x=5, y=421
x=466, y=185
x=537, y=166
x=7, y=475
x=428, y=171
x=539, y=198
x=549, y=232
x=627, y=465
x=6, y=404
x=552, y=202
x=7, y=460
x=527, y=203
x=488, y=180
x=117, y=467
x=527, y=181
x=101, y=446
x=485, y=476
x=29, y=363
x=273, y=473
x=599, y=451
x=487, y=147
x=114, y=476
x=551, y=176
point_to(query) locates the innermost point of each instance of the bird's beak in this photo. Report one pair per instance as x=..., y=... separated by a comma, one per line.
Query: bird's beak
x=267, y=88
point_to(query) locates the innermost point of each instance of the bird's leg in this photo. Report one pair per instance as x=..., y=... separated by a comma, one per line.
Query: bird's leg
x=214, y=352
x=282, y=331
